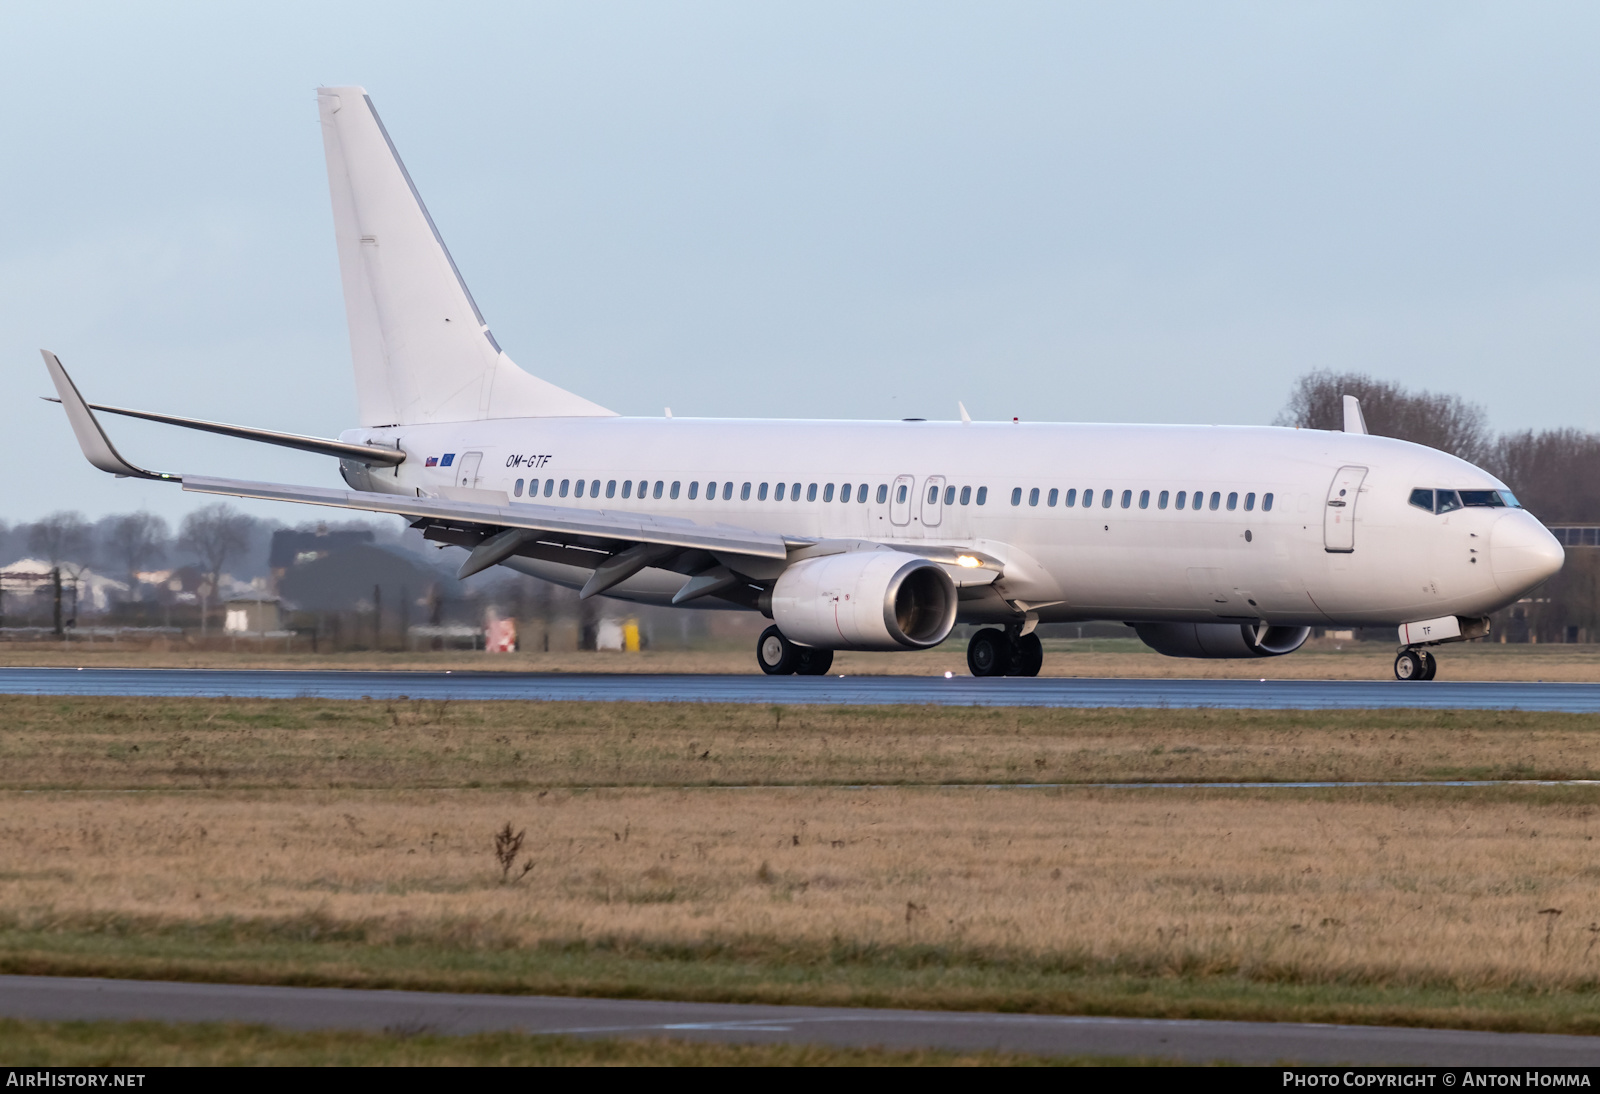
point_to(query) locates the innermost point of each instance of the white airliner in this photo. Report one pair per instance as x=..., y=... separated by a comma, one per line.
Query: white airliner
x=1210, y=541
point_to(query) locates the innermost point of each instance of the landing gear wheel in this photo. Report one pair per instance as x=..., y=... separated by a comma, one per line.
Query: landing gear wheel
x=1027, y=656
x=989, y=653
x=1430, y=667
x=813, y=662
x=1410, y=666
x=776, y=654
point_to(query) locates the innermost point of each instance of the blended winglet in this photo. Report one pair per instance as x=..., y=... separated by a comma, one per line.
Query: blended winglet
x=97, y=447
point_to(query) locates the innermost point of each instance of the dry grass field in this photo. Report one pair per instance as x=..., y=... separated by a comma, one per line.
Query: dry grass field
x=310, y=841
x=1324, y=659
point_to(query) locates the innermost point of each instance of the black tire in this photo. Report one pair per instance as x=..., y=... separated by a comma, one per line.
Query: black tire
x=776, y=655
x=1409, y=666
x=1027, y=656
x=1430, y=665
x=989, y=653
x=813, y=662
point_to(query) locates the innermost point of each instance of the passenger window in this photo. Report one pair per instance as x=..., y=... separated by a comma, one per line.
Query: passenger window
x=577, y=491
x=1233, y=501
x=811, y=492
x=1105, y=500
x=1249, y=502
x=611, y=488
x=656, y=493
x=949, y=495
x=983, y=494
x=1183, y=497
x=627, y=488
x=1127, y=498
x=1446, y=501
x=1051, y=499
x=883, y=493
x=777, y=495
x=673, y=493
x=564, y=484
x=549, y=485
x=900, y=495
x=1161, y=500
x=727, y=491
x=933, y=495
x=533, y=487
x=516, y=491
x=1016, y=495
x=1072, y=499
x=861, y=493
x=761, y=492
x=966, y=495
x=1216, y=498
x=844, y=494
x=1199, y=500
x=1144, y=499
x=827, y=492
x=694, y=490
x=594, y=489
x=744, y=492
x=1088, y=499
x=794, y=492
x=1266, y=503
x=1033, y=496
x=644, y=486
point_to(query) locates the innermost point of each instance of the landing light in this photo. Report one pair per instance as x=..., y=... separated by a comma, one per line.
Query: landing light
x=968, y=561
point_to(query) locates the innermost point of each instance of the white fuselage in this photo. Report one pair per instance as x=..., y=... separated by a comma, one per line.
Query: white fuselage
x=1374, y=560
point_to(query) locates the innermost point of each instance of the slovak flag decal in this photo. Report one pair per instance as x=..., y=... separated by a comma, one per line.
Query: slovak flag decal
x=433, y=461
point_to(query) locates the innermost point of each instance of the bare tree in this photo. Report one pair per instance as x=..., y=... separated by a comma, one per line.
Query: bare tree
x=1446, y=422
x=1555, y=473
x=60, y=538
x=214, y=534
x=137, y=539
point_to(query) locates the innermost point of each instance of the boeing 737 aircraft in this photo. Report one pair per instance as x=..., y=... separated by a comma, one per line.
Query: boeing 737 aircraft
x=849, y=535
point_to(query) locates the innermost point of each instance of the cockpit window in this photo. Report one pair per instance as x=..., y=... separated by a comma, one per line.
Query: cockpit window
x=1445, y=501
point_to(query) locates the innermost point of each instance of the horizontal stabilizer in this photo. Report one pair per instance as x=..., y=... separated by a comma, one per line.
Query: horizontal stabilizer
x=359, y=453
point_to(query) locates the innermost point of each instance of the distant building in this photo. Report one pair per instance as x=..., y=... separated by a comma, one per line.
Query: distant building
x=251, y=617
x=296, y=548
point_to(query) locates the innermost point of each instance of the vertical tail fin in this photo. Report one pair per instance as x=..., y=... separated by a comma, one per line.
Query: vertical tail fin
x=421, y=349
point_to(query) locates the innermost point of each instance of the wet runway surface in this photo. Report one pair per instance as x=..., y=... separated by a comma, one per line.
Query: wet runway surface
x=831, y=690
x=70, y=998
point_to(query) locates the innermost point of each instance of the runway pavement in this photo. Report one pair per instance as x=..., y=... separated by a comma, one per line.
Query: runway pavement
x=831, y=690
x=71, y=999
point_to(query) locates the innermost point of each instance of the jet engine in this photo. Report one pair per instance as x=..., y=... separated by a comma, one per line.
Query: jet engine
x=1221, y=639
x=865, y=600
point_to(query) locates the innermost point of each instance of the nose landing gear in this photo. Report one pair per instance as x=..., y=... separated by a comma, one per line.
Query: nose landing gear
x=1415, y=664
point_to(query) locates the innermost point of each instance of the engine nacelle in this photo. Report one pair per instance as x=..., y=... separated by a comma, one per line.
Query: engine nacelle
x=865, y=600
x=1221, y=639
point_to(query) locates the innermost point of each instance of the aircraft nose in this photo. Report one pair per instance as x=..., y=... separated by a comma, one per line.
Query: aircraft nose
x=1522, y=553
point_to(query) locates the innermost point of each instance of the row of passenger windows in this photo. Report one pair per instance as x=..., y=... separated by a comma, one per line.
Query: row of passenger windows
x=1446, y=501
x=1108, y=499
x=845, y=491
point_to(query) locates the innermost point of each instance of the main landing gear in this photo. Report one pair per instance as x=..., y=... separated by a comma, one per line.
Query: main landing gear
x=993, y=652
x=1415, y=664
x=781, y=657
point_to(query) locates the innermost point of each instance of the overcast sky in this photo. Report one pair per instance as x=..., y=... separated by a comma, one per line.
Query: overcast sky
x=1107, y=212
